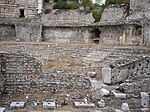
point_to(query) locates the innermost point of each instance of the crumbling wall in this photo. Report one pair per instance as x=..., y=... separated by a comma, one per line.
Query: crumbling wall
x=7, y=32
x=123, y=70
x=139, y=4
x=67, y=18
x=22, y=73
x=114, y=13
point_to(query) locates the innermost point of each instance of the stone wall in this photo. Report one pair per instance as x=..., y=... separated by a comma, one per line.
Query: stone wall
x=114, y=13
x=7, y=32
x=12, y=8
x=139, y=4
x=22, y=73
x=30, y=32
x=66, y=34
x=111, y=34
x=129, y=69
x=67, y=18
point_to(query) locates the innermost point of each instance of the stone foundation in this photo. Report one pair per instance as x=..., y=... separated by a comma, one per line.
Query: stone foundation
x=22, y=73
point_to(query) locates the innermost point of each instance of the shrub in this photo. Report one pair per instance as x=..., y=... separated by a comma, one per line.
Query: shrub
x=109, y=2
x=87, y=3
x=96, y=15
x=66, y=5
x=73, y=5
x=61, y=5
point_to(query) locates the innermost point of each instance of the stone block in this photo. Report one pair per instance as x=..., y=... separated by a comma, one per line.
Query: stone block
x=49, y=105
x=2, y=109
x=144, y=100
x=125, y=107
x=82, y=104
x=104, y=92
x=101, y=103
x=17, y=104
x=119, y=95
x=106, y=74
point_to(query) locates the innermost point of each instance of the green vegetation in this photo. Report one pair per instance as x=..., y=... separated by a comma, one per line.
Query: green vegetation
x=73, y=5
x=66, y=5
x=97, y=12
x=96, y=9
x=109, y=2
x=96, y=15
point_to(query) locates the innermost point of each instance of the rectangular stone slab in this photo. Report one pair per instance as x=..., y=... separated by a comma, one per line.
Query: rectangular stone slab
x=106, y=73
x=17, y=104
x=50, y=105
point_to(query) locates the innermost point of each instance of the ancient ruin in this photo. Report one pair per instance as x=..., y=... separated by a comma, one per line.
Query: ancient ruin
x=63, y=61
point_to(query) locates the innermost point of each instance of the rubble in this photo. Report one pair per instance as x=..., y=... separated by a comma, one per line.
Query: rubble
x=119, y=95
x=101, y=103
x=104, y=92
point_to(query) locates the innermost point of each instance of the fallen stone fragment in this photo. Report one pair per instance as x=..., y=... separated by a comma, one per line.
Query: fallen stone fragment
x=82, y=104
x=49, y=105
x=101, y=103
x=17, y=104
x=104, y=92
x=125, y=107
x=144, y=100
x=2, y=109
x=119, y=95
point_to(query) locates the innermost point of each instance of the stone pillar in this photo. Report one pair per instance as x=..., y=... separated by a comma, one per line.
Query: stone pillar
x=106, y=74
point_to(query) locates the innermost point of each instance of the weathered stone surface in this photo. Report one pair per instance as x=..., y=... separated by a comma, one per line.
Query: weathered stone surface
x=2, y=109
x=145, y=100
x=106, y=73
x=17, y=104
x=67, y=18
x=49, y=105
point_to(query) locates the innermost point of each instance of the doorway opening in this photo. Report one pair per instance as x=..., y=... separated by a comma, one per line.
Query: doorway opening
x=21, y=15
x=96, y=35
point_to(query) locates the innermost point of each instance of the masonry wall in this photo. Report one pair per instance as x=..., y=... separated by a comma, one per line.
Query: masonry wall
x=111, y=34
x=7, y=32
x=139, y=68
x=114, y=13
x=67, y=18
x=12, y=7
x=66, y=34
x=30, y=32
x=22, y=73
